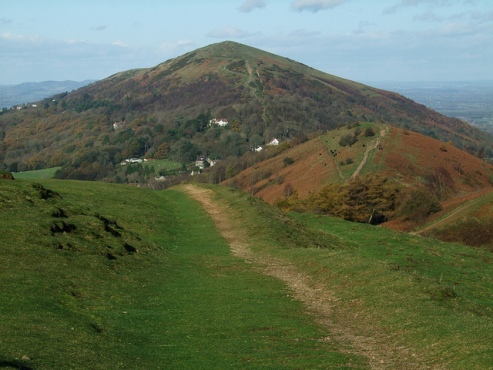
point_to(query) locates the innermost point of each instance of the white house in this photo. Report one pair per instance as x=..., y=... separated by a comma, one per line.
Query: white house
x=199, y=162
x=258, y=148
x=274, y=142
x=212, y=162
x=219, y=122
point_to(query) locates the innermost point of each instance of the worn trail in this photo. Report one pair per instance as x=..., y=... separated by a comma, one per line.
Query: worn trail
x=319, y=301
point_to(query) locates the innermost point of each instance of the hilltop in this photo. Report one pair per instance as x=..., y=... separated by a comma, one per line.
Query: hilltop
x=165, y=112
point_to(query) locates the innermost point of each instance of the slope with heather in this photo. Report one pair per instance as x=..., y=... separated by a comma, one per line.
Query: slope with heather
x=407, y=157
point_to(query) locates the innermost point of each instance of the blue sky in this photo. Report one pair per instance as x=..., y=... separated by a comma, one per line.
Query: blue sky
x=362, y=40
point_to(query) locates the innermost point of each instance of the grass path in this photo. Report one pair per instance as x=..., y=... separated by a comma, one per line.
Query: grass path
x=369, y=148
x=318, y=300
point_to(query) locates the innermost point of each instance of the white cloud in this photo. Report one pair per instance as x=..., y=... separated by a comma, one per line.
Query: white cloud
x=228, y=32
x=454, y=29
x=315, y=5
x=120, y=44
x=33, y=58
x=169, y=47
x=408, y=3
x=249, y=5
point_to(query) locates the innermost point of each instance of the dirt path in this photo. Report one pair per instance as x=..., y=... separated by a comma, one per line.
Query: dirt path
x=317, y=298
x=369, y=148
x=250, y=71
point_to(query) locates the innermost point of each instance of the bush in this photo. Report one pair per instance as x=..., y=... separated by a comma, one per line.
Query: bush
x=369, y=132
x=4, y=175
x=347, y=140
x=472, y=231
x=420, y=205
x=287, y=161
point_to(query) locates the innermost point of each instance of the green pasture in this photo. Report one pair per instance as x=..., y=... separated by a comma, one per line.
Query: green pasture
x=47, y=173
x=98, y=275
x=101, y=276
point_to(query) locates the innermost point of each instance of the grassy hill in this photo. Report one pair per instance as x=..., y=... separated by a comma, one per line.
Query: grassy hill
x=100, y=275
x=164, y=112
x=406, y=157
x=298, y=176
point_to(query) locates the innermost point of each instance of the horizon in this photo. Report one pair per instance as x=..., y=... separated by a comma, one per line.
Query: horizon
x=395, y=40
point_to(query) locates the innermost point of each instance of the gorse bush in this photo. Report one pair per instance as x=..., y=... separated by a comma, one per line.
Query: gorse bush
x=369, y=199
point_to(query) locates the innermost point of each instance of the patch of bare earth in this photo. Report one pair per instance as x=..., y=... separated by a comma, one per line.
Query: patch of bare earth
x=382, y=350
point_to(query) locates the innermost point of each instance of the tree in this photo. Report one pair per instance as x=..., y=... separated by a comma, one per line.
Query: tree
x=162, y=151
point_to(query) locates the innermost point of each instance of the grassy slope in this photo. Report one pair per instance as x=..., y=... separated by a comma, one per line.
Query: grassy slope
x=139, y=279
x=47, y=173
x=84, y=298
x=431, y=297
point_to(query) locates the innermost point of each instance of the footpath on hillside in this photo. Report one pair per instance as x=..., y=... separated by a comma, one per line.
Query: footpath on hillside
x=319, y=301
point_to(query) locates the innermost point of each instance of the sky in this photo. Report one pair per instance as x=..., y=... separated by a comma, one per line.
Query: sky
x=361, y=40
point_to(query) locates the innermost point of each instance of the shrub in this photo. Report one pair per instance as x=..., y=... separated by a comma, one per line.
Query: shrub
x=420, y=205
x=4, y=175
x=369, y=132
x=472, y=231
x=287, y=161
x=347, y=140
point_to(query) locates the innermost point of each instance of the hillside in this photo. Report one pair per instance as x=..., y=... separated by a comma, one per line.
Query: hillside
x=406, y=157
x=102, y=275
x=165, y=111
x=380, y=174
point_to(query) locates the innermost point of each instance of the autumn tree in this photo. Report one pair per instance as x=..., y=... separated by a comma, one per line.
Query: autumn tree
x=369, y=199
x=162, y=151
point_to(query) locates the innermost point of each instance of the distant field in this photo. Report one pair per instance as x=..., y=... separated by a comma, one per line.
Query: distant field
x=47, y=173
x=163, y=164
x=469, y=100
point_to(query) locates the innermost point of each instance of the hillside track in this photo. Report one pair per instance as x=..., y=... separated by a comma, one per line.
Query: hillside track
x=369, y=148
x=461, y=211
x=380, y=349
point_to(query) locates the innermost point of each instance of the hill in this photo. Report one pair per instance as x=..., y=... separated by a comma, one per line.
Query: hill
x=102, y=275
x=165, y=112
x=409, y=158
x=379, y=173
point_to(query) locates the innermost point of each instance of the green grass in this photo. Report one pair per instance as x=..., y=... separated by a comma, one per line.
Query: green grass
x=163, y=164
x=105, y=276
x=434, y=298
x=47, y=173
